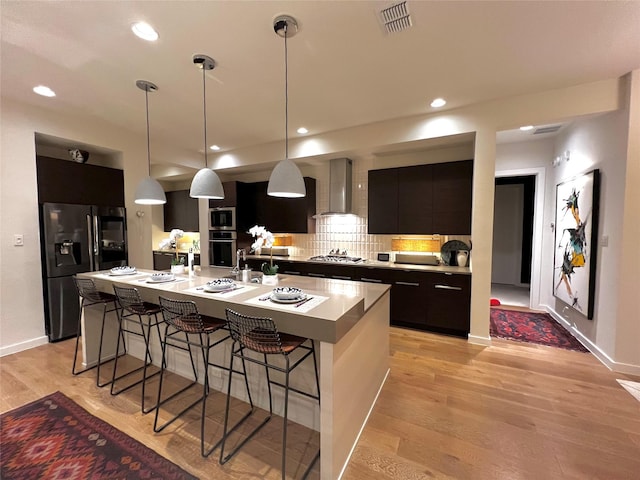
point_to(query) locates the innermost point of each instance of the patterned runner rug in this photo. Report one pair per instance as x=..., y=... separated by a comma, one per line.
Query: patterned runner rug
x=532, y=327
x=55, y=438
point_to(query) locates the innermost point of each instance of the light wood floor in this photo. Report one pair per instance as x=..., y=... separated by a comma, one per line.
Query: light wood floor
x=448, y=410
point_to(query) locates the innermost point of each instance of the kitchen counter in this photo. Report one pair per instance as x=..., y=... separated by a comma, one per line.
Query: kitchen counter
x=369, y=264
x=348, y=320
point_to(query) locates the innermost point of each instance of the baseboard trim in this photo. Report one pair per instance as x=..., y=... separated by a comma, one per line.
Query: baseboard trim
x=486, y=341
x=605, y=359
x=21, y=346
x=364, y=424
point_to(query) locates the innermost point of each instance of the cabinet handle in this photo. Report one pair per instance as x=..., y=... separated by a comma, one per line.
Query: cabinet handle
x=291, y=272
x=319, y=275
x=340, y=277
x=408, y=284
x=447, y=287
x=370, y=280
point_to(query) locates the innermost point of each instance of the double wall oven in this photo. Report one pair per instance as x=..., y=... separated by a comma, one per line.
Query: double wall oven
x=222, y=236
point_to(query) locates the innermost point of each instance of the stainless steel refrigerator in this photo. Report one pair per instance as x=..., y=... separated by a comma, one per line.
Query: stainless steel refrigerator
x=76, y=239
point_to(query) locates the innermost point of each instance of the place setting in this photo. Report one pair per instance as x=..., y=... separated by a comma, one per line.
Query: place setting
x=289, y=298
x=161, y=277
x=222, y=286
x=122, y=271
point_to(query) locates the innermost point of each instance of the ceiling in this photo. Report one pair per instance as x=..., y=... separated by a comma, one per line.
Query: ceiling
x=344, y=69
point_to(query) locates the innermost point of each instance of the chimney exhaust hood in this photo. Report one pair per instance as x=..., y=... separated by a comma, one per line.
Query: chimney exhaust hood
x=340, y=187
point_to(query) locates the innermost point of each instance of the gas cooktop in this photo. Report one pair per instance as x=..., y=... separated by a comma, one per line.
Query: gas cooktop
x=336, y=259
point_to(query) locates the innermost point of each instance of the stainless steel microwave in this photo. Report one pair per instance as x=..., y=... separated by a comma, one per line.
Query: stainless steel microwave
x=222, y=218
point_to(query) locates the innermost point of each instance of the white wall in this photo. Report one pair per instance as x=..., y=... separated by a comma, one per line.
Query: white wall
x=18, y=180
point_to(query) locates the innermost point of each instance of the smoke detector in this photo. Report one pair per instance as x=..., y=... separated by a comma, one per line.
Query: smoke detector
x=396, y=18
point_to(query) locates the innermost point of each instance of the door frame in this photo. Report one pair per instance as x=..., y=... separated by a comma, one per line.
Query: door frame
x=536, y=243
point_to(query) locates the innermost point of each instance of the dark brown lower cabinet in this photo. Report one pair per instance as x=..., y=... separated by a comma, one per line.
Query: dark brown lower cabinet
x=430, y=301
x=162, y=260
x=449, y=303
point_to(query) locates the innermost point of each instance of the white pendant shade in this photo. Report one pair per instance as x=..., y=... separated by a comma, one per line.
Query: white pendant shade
x=286, y=181
x=207, y=184
x=150, y=192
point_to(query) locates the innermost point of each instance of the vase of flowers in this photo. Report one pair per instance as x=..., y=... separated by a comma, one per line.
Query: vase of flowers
x=264, y=239
x=177, y=263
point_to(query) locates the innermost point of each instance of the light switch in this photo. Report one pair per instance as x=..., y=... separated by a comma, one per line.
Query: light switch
x=18, y=240
x=604, y=241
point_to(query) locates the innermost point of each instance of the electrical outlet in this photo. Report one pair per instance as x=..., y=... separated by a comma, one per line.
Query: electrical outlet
x=18, y=240
x=604, y=241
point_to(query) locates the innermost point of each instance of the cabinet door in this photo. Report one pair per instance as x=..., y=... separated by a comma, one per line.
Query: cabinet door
x=162, y=260
x=415, y=200
x=285, y=215
x=409, y=299
x=383, y=201
x=452, y=194
x=449, y=303
x=181, y=211
x=230, y=196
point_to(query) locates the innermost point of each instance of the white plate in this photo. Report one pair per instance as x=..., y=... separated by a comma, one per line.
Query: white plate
x=289, y=300
x=219, y=284
x=161, y=278
x=215, y=289
x=287, y=293
x=123, y=271
x=119, y=274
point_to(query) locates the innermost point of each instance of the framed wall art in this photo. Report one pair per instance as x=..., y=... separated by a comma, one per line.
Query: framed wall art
x=576, y=234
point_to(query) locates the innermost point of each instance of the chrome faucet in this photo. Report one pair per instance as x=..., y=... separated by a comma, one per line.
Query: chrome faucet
x=240, y=256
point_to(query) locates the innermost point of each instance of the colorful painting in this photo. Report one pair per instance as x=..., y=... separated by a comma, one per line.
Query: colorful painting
x=576, y=233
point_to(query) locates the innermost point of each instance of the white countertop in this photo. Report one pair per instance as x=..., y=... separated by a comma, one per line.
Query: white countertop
x=328, y=321
x=370, y=264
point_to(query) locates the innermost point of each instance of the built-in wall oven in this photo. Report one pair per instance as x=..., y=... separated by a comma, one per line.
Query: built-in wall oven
x=222, y=218
x=222, y=248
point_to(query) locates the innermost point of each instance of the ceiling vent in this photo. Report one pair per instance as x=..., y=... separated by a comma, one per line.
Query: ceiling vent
x=551, y=129
x=396, y=17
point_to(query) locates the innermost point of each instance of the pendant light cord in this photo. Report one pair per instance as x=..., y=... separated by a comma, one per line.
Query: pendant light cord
x=286, y=96
x=146, y=101
x=204, y=110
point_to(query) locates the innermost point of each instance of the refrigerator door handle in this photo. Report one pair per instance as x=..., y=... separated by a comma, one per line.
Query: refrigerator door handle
x=96, y=248
x=90, y=243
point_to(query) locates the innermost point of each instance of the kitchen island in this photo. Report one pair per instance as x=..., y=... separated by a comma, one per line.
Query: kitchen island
x=349, y=321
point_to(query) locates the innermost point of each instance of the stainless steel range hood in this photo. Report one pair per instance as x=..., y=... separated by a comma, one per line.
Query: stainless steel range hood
x=340, y=187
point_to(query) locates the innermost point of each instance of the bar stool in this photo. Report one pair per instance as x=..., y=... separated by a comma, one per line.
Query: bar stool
x=91, y=296
x=182, y=317
x=131, y=303
x=260, y=335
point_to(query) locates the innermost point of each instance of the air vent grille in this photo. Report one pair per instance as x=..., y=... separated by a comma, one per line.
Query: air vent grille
x=396, y=17
x=551, y=129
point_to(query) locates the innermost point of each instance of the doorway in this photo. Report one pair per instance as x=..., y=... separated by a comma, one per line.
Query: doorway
x=513, y=229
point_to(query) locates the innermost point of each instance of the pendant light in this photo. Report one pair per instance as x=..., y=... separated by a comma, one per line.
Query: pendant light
x=286, y=179
x=206, y=183
x=149, y=191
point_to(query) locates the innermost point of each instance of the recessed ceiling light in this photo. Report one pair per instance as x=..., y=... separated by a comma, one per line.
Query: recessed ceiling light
x=44, y=91
x=214, y=147
x=302, y=130
x=438, y=102
x=144, y=31
x=526, y=128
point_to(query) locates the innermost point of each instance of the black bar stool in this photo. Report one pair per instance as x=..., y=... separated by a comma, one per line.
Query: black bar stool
x=261, y=335
x=182, y=319
x=132, y=311
x=91, y=296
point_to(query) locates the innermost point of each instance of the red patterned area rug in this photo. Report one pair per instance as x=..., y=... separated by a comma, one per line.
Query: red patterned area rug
x=532, y=327
x=55, y=438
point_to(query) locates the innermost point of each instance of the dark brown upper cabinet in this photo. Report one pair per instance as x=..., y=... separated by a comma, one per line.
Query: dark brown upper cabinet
x=63, y=181
x=285, y=215
x=383, y=201
x=421, y=199
x=181, y=211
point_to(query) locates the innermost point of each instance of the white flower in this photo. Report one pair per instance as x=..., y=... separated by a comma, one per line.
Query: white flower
x=264, y=238
x=175, y=234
